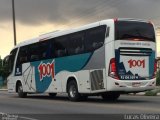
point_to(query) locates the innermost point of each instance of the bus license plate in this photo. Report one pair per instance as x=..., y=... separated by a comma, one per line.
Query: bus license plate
x=136, y=84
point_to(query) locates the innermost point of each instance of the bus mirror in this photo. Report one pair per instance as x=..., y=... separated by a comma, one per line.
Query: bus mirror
x=107, y=31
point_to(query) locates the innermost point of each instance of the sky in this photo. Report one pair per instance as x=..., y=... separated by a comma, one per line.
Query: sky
x=36, y=17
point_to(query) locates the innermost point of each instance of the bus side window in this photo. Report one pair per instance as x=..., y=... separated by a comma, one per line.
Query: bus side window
x=76, y=43
x=95, y=38
x=23, y=59
x=96, y=45
x=45, y=50
x=22, y=56
x=60, y=46
x=34, y=57
x=61, y=53
x=33, y=52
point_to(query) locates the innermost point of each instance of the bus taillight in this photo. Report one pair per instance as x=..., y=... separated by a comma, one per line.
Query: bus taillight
x=116, y=19
x=155, y=69
x=150, y=22
x=113, y=69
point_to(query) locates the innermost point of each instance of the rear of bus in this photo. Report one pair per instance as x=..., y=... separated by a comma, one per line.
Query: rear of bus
x=133, y=69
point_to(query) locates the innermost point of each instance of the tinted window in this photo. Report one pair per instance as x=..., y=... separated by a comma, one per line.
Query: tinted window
x=69, y=44
x=134, y=30
x=76, y=43
x=23, y=55
x=12, y=59
x=45, y=50
x=34, y=52
x=60, y=46
x=79, y=42
x=95, y=38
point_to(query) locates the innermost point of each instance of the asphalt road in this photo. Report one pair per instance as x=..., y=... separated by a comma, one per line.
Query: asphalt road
x=43, y=104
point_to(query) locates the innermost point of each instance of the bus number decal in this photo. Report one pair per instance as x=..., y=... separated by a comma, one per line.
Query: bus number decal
x=138, y=63
x=46, y=70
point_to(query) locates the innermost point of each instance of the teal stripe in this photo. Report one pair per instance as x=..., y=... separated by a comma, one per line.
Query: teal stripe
x=151, y=63
x=71, y=63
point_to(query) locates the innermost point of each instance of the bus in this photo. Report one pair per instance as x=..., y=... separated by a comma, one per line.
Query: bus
x=106, y=58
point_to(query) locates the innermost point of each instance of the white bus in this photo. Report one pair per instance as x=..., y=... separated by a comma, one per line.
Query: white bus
x=106, y=58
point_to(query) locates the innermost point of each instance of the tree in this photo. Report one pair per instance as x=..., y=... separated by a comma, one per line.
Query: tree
x=3, y=69
x=158, y=78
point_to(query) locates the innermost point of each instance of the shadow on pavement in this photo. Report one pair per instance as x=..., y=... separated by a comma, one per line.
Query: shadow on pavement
x=92, y=99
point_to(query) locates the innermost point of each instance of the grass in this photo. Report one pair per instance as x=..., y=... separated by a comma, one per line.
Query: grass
x=153, y=92
x=3, y=87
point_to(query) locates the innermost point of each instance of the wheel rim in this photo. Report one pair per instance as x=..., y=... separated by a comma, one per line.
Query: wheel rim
x=72, y=91
x=20, y=89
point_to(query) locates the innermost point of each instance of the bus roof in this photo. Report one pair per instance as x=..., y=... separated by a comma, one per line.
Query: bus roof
x=131, y=19
x=65, y=32
x=53, y=34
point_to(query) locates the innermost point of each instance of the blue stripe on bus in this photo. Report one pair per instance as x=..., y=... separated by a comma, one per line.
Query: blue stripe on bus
x=41, y=85
x=69, y=63
x=151, y=63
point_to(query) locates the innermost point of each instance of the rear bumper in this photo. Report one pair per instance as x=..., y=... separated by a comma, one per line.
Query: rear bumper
x=130, y=86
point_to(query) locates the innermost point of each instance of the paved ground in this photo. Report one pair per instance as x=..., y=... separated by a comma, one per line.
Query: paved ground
x=42, y=104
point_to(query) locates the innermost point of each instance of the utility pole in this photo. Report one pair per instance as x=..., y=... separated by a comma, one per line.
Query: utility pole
x=14, y=23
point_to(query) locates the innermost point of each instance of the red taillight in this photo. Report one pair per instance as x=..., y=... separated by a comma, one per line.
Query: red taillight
x=115, y=20
x=155, y=69
x=150, y=22
x=113, y=69
x=113, y=65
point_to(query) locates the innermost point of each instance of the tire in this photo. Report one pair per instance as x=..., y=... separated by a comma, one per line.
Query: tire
x=110, y=96
x=21, y=94
x=52, y=94
x=72, y=91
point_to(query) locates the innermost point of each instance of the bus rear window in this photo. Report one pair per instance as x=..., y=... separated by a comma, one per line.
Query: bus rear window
x=134, y=30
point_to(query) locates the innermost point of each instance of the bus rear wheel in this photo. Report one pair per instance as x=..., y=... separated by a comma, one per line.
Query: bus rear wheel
x=21, y=94
x=110, y=96
x=72, y=91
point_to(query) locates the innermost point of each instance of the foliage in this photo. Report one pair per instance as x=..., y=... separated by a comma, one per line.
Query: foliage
x=3, y=69
x=158, y=78
x=151, y=93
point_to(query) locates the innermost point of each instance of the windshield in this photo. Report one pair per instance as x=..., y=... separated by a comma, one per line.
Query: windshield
x=12, y=59
x=134, y=30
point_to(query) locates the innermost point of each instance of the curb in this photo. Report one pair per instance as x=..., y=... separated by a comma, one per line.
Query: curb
x=3, y=89
x=142, y=94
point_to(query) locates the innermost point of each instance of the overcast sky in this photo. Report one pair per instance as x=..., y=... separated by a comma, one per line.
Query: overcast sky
x=34, y=17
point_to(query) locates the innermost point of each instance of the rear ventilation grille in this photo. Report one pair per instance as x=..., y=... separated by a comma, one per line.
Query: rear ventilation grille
x=135, y=51
x=97, y=80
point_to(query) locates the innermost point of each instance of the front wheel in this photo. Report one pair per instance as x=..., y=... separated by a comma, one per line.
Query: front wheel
x=110, y=96
x=72, y=90
x=21, y=94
